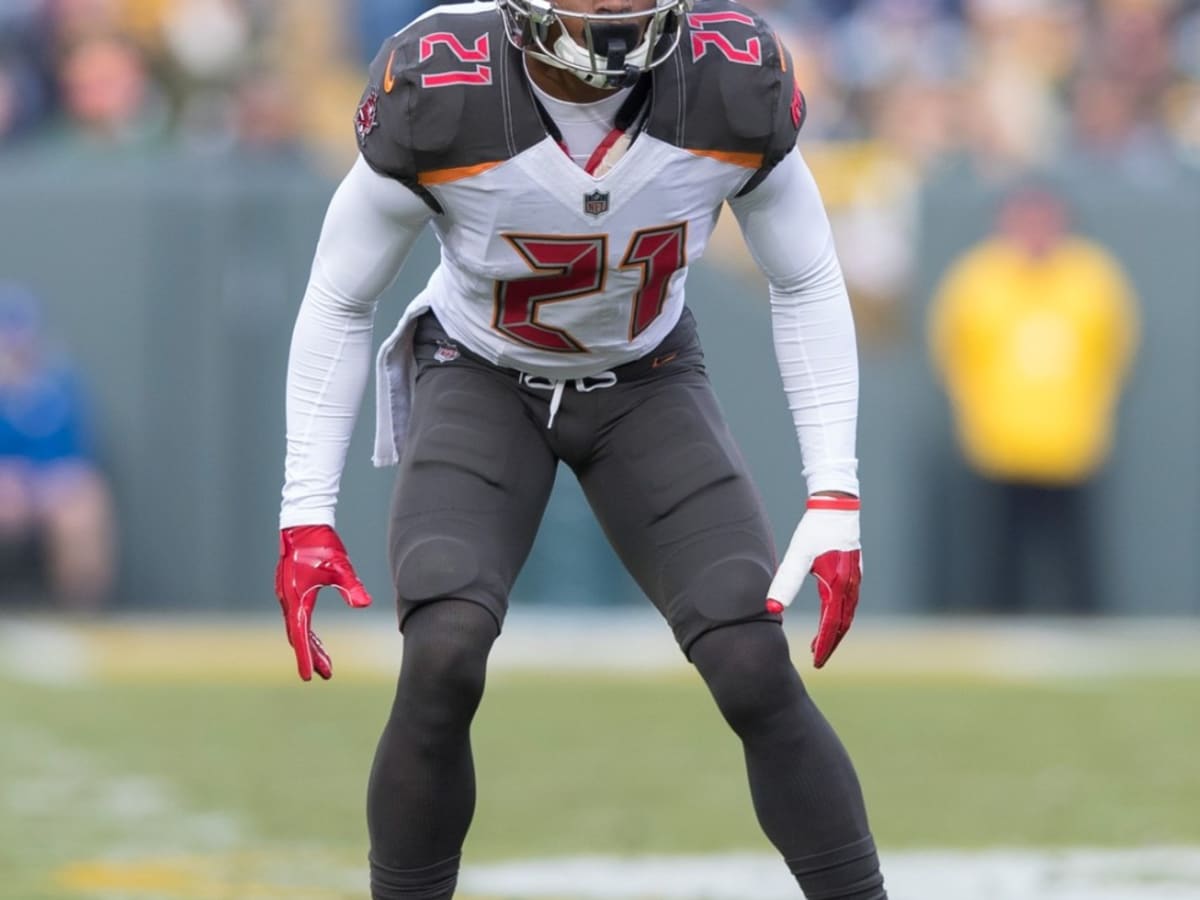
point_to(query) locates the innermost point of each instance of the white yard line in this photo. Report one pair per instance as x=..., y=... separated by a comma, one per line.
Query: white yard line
x=63, y=792
x=43, y=652
x=1164, y=873
x=1149, y=874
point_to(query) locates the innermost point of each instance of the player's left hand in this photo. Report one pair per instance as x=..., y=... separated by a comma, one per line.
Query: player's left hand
x=312, y=557
x=826, y=543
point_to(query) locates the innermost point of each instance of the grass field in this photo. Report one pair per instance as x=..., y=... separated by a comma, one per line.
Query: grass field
x=170, y=763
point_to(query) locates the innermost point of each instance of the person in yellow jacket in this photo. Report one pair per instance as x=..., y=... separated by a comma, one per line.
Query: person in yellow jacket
x=1032, y=332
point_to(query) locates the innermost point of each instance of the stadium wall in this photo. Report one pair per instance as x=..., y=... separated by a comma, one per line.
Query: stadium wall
x=175, y=284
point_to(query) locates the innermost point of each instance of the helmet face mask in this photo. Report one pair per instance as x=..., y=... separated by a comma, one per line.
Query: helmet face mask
x=608, y=56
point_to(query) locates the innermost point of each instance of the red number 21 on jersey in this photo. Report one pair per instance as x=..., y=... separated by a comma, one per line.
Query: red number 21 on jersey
x=480, y=53
x=574, y=267
x=750, y=55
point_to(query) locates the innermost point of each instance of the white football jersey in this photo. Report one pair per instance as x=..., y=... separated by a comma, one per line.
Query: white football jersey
x=546, y=267
x=550, y=270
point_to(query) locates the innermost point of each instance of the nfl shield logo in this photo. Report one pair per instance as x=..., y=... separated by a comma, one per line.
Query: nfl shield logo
x=595, y=203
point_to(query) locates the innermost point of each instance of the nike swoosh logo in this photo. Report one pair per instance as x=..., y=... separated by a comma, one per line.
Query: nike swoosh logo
x=389, y=80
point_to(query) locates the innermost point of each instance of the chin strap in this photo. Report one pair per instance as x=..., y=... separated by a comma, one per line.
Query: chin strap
x=610, y=42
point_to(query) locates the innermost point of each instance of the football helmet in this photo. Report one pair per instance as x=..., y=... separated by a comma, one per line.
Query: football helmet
x=608, y=58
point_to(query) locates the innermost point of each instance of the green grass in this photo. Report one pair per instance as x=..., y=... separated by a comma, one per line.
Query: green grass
x=568, y=764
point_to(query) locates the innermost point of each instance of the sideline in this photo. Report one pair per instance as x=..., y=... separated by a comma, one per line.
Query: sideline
x=58, y=651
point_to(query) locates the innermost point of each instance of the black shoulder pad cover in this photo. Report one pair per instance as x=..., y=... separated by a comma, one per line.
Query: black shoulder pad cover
x=735, y=82
x=434, y=110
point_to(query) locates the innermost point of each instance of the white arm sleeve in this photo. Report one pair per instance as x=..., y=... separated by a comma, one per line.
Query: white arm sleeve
x=787, y=231
x=370, y=226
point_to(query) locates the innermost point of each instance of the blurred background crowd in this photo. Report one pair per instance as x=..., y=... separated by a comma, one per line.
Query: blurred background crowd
x=897, y=88
x=1007, y=82
x=1013, y=185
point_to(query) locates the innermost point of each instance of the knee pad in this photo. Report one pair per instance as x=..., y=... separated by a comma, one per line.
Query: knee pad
x=730, y=590
x=433, y=567
x=711, y=587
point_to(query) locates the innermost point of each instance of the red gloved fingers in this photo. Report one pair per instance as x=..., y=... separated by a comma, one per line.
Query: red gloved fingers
x=320, y=659
x=297, y=606
x=310, y=652
x=346, y=581
x=296, y=618
x=838, y=574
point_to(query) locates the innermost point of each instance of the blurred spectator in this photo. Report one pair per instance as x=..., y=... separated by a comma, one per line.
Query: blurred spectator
x=1032, y=332
x=10, y=104
x=55, y=508
x=1111, y=126
x=205, y=46
x=208, y=39
x=109, y=100
x=24, y=99
x=265, y=122
x=25, y=76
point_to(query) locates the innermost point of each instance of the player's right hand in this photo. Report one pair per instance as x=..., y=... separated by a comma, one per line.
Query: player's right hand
x=312, y=557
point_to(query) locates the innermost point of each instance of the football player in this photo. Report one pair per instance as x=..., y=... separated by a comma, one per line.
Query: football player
x=572, y=157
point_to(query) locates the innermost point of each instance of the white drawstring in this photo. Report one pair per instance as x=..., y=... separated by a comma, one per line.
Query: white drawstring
x=555, y=401
x=584, y=385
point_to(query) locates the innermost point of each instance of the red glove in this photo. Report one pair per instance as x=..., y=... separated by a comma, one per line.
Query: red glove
x=312, y=557
x=826, y=543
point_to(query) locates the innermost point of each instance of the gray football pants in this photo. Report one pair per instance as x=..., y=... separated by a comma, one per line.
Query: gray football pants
x=652, y=453
x=666, y=482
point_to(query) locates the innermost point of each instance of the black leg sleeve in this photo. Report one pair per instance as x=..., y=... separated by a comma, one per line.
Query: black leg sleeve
x=805, y=791
x=421, y=794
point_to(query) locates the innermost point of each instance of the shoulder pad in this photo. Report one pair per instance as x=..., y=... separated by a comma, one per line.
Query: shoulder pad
x=435, y=98
x=732, y=92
